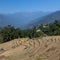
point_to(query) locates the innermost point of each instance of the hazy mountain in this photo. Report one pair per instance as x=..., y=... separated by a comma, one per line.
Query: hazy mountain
x=19, y=19
x=45, y=19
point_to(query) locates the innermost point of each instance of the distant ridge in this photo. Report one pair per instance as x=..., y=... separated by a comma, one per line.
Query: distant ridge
x=44, y=20
x=20, y=18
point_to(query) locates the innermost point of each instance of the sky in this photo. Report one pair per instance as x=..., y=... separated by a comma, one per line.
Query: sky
x=12, y=6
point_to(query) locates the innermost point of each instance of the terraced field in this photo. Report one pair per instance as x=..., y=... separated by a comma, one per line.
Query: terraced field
x=46, y=48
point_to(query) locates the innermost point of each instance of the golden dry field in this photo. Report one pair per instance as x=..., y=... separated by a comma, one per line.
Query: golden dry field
x=46, y=48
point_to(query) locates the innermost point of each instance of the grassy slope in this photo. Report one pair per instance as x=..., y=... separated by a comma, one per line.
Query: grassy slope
x=46, y=48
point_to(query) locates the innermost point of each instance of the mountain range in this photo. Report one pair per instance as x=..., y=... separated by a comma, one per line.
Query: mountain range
x=20, y=19
x=50, y=18
x=25, y=20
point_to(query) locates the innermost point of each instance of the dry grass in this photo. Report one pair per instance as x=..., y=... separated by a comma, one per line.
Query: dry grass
x=28, y=49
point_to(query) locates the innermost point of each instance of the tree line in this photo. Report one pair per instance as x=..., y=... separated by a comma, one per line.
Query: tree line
x=9, y=33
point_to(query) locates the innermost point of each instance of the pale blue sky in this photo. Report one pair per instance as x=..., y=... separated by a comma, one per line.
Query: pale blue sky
x=11, y=6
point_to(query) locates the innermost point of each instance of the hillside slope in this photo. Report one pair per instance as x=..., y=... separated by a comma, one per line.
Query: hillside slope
x=46, y=48
x=44, y=20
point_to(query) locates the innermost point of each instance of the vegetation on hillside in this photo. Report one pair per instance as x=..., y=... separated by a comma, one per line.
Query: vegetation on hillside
x=51, y=29
x=9, y=32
